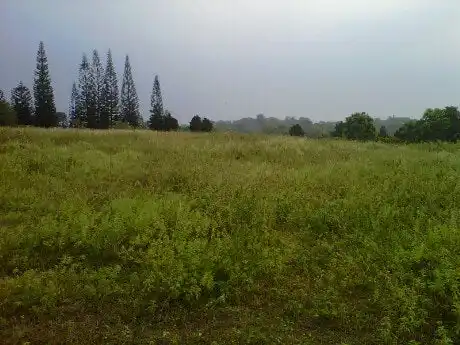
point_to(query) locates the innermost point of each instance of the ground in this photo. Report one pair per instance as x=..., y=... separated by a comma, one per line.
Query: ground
x=138, y=237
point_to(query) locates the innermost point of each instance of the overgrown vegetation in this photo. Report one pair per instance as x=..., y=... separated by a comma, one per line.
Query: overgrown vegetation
x=144, y=237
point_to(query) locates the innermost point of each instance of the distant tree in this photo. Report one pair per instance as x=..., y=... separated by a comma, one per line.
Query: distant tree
x=296, y=131
x=129, y=100
x=84, y=104
x=2, y=96
x=45, y=109
x=21, y=101
x=440, y=124
x=339, y=130
x=73, y=120
x=453, y=114
x=392, y=123
x=157, y=119
x=436, y=124
x=410, y=132
x=97, y=84
x=383, y=133
x=171, y=123
x=359, y=126
x=196, y=124
x=206, y=125
x=109, y=95
x=62, y=119
x=7, y=114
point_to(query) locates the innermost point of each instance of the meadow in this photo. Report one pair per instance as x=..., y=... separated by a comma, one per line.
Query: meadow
x=141, y=237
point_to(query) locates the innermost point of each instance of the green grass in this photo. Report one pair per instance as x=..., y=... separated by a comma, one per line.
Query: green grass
x=136, y=237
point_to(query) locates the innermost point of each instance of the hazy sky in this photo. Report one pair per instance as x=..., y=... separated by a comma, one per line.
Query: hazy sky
x=228, y=59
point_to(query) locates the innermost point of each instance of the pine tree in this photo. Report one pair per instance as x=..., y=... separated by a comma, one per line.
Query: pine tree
x=73, y=120
x=21, y=101
x=109, y=97
x=157, y=119
x=91, y=105
x=83, y=99
x=45, y=109
x=129, y=100
x=97, y=79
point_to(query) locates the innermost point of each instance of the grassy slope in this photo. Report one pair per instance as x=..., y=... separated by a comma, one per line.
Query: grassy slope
x=140, y=237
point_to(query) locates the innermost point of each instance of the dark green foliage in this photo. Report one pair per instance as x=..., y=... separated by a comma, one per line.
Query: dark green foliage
x=440, y=124
x=339, y=130
x=84, y=103
x=296, y=131
x=199, y=125
x=109, y=97
x=129, y=111
x=7, y=114
x=359, y=126
x=21, y=100
x=206, y=125
x=97, y=84
x=436, y=124
x=410, y=132
x=321, y=129
x=157, y=119
x=45, y=109
x=160, y=119
x=2, y=96
x=62, y=119
x=171, y=123
x=195, y=124
x=73, y=119
x=157, y=123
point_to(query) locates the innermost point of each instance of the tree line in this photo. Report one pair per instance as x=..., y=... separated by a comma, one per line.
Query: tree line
x=95, y=100
x=435, y=125
x=311, y=129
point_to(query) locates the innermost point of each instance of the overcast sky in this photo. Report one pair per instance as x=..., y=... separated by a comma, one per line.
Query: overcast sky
x=228, y=59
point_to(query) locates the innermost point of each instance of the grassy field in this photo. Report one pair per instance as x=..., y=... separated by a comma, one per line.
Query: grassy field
x=123, y=237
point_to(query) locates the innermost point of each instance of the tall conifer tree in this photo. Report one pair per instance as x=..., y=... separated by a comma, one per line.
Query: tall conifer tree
x=83, y=100
x=45, y=109
x=97, y=80
x=109, y=95
x=129, y=100
x=73, y=119
x=157, y=117
x=21, y=101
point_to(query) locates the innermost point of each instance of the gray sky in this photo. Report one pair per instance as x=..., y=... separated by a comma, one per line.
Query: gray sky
x=228, y=59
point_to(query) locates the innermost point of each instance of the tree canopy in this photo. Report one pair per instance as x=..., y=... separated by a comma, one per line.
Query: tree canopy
x=296, y=131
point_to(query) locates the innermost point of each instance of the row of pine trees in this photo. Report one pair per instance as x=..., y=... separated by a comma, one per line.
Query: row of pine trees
x=95, y=100
x=43, y=112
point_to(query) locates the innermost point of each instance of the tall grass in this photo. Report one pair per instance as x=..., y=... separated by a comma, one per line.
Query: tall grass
x=139, y=237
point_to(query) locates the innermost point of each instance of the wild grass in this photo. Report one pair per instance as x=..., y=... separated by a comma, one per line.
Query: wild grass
x=137, y=237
